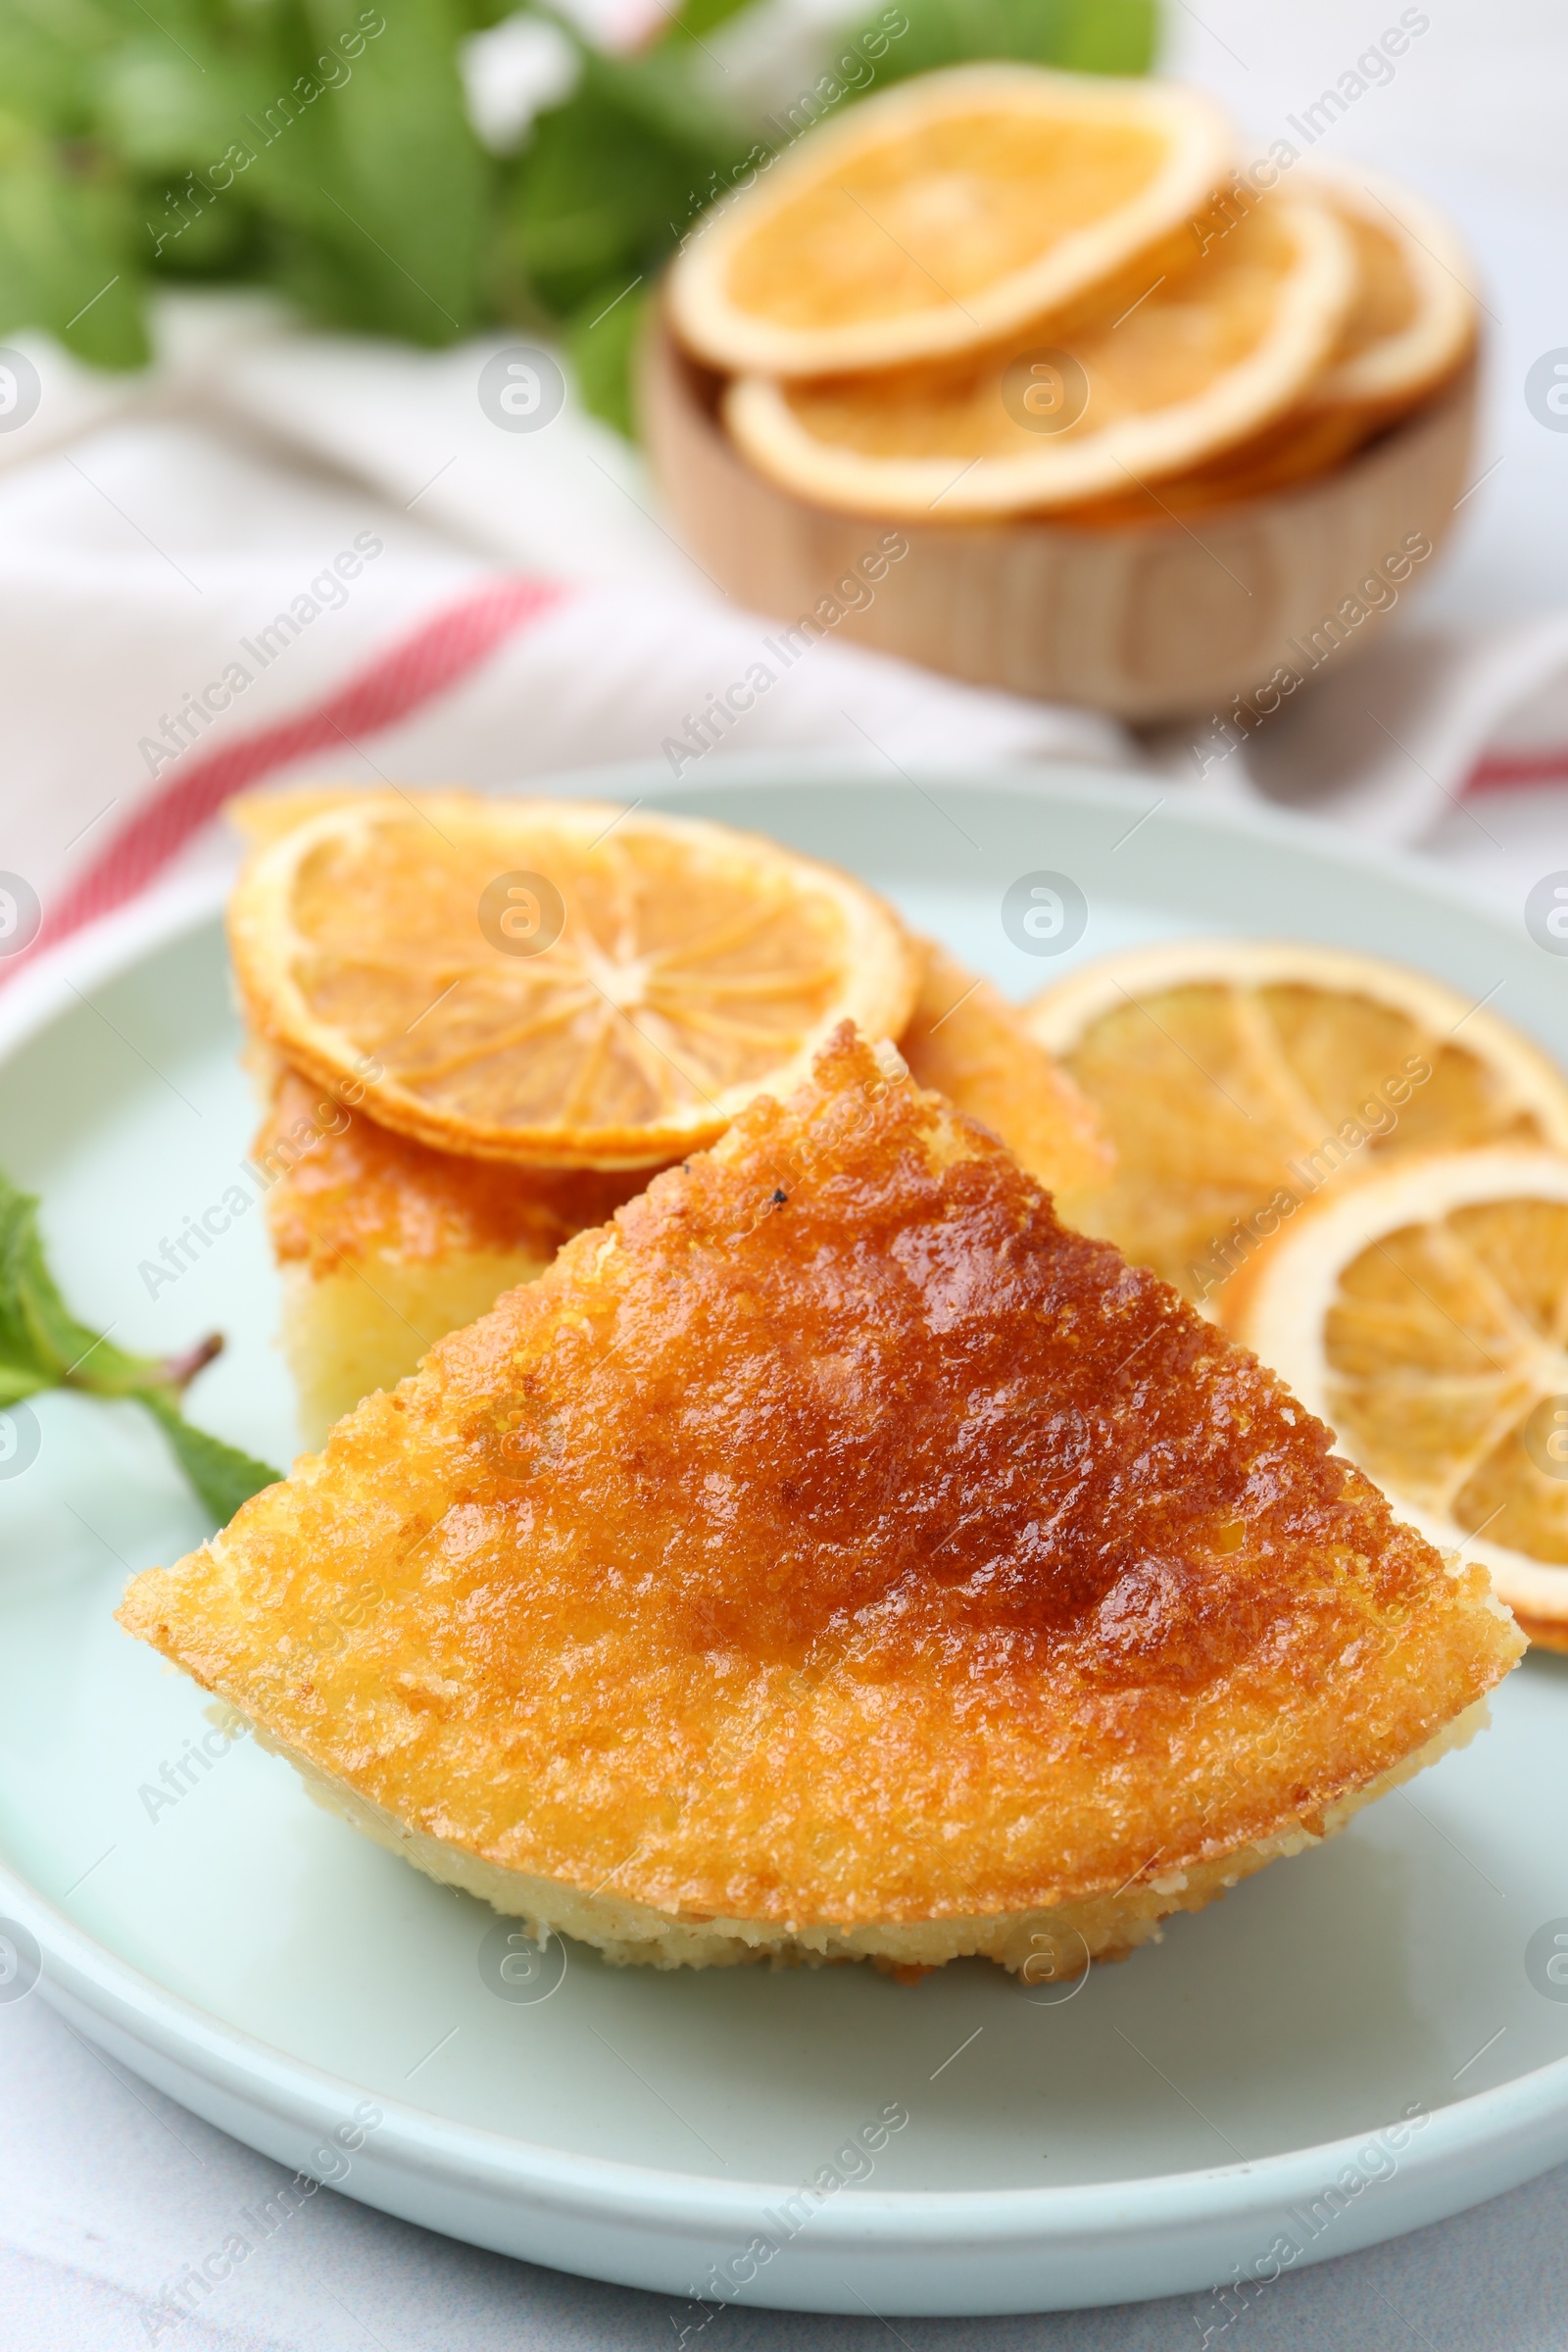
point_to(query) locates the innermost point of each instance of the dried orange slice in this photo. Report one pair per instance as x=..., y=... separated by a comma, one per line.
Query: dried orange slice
x=1294, y=448
x=1412, y=320
x=1410, y=327
x=1197, y=362
x=1425, y=1314
x=942, y=213
x=554, y=983
x=1240, y=1078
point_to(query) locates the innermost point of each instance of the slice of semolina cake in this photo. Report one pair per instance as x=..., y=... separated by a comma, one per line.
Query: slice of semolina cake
x=384, y=1245
x=835, y=1556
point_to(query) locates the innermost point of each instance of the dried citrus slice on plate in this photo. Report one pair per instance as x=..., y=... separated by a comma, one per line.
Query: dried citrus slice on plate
x=1424, y=1313
x=941, y=214
x=1412, y=320
x=1238, y=1078
x=554, y=983
x=1202, y=358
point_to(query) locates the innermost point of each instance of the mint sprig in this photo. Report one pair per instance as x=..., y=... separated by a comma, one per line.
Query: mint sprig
x=324, y=148
x=43, y=1346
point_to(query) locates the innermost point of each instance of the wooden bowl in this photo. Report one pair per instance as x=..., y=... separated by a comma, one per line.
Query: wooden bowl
x=1145, y=621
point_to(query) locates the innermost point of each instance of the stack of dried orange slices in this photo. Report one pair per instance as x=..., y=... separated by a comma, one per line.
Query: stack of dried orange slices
x=998, y=290
x=480, y=1025
x=1364, y=1177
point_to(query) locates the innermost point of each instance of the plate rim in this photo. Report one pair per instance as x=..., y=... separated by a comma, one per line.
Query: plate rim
x=183, y=902
x=1515, y=2115
x=974, y=2220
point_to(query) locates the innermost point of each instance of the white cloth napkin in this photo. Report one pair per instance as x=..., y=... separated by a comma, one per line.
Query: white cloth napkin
x=237, y=616
x=462, y=603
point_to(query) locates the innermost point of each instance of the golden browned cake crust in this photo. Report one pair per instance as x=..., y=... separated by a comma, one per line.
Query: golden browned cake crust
x=836, y=1539
x=965, y=1041
x=348, y=1189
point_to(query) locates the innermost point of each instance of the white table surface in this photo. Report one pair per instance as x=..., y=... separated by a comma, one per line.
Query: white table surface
x=107, y=2189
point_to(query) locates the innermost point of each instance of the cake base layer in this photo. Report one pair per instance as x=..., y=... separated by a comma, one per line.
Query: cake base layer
x=1042, y=1946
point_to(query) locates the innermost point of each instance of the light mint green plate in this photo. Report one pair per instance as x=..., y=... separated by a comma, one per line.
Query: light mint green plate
x=1176, y=2118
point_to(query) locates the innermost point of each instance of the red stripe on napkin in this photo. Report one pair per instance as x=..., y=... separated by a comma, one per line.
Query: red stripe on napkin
x=436, y=655
x=1527, y=767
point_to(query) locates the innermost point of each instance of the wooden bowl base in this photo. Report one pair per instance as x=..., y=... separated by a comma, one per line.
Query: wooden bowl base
x=1144, y=621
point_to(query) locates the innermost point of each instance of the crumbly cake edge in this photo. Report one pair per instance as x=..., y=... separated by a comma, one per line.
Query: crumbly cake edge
x=358, y=1327
x=628, y=1934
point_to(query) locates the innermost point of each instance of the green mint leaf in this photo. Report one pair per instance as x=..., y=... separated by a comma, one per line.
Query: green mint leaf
x=323, y=148
x=25, y=1365
x=1112, y=36
x=48, y=59
x=600, y=343
x=221, y=1475
x=1094, y=36
x=17, y=1381
x=43, y=1346
x=395, y=185
x=167, y=108
x=69, y=256
x=38, y=1333
x=701, y=16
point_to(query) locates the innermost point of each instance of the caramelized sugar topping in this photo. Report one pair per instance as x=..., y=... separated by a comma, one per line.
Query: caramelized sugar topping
x=344, y=1187
x=888, y=1413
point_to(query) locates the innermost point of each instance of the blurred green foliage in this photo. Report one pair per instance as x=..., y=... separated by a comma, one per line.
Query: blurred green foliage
x=323, y=148
x=1088, y=36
